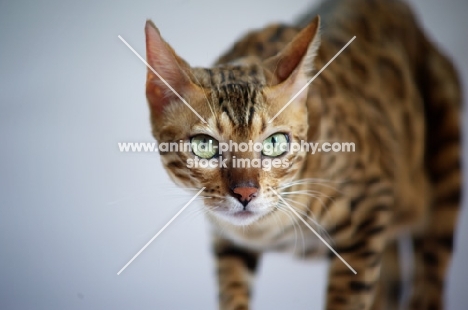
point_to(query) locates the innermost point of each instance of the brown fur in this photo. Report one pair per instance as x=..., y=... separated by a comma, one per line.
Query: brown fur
x=391, y=92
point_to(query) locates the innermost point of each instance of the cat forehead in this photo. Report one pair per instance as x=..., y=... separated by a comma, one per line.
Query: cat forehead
x=239, y=102
x=235, y=90
x=229, y=74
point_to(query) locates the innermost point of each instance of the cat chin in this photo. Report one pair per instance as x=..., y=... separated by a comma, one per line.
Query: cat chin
x=239, y=218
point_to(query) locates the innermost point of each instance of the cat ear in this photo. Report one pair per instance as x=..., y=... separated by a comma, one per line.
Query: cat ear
x=171, y=69
x=292, y=66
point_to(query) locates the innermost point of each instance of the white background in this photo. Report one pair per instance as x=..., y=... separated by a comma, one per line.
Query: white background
x=73, y=210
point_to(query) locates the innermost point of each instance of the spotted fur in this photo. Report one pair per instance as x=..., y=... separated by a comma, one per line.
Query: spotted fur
x=391, y=92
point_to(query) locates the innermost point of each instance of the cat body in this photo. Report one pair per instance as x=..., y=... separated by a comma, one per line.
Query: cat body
x=390, y=92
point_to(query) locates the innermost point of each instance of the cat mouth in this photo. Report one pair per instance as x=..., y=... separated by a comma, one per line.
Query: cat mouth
x=241, y=217
x=243, y=214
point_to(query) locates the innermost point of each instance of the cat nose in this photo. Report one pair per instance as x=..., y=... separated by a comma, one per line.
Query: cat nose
x=245, y=194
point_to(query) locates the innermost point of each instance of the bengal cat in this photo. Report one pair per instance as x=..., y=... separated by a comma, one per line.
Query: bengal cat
x=391, y=92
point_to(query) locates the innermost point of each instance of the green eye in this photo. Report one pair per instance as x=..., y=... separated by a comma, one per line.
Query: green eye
x=275, y=145
x=204, y=146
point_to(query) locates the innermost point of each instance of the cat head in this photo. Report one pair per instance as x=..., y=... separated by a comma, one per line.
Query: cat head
x=219, y=128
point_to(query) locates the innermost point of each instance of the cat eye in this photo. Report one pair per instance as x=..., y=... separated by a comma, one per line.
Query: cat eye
x=204, y=146
x=275, y=145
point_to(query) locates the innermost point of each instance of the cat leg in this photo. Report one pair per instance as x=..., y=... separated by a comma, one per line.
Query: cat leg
x=236, y=267
x=433, y=245
x=433, y=253
x=363, y=250
x=430, y=261
x=390, y=284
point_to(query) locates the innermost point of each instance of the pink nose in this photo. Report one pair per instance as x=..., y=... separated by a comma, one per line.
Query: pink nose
x=245, y=194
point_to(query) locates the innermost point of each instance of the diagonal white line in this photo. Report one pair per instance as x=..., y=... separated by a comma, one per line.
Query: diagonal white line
x=161, y=230
x=313, y=230
x=164, y=81
x=311, y=80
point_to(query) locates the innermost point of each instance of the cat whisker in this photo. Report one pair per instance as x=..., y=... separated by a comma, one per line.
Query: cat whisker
x=321, y=230
x=295, y=222
x=304, y=206
x=319, y=198
x=279, y=205
x=306, y=192
x=307, y=182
